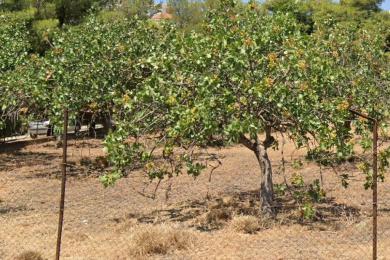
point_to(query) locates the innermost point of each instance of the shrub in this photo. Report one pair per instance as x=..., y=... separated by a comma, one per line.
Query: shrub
x=245, y=224
x=159, y=239
x=20, y=16
x=216, y=217
x=43, y=31
x=308, y=211
x=111, y=16
x=43, y=28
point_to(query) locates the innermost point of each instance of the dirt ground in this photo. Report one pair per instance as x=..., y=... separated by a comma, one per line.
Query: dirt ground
x=99, y=221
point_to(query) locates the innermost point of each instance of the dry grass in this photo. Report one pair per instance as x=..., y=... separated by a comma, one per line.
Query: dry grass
x=218, y=216
x=245, y=224
x=159, y=239
x=100, y=221
x=126, y=225
x=214, y=218
x=30, y=255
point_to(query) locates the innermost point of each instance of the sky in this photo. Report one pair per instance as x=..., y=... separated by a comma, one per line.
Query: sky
x=386, y=5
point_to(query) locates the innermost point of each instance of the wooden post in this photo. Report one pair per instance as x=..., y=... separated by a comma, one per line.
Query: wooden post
x=63, y=184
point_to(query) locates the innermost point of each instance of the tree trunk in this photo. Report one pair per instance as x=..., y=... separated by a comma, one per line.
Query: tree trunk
x=267, y=206
x=107, y=124
x=266, y=185
x=92, y=129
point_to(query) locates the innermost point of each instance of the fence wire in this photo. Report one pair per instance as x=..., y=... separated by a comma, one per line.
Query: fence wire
x=187, y=218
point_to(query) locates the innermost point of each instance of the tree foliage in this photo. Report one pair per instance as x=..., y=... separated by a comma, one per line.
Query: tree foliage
x=14, y=49
x=247, y=73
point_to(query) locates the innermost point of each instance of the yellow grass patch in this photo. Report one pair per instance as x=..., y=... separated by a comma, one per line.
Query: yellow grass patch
x=159, y=239
x=245, y=224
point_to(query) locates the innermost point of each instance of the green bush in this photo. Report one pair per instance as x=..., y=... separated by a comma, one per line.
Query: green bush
x=44, y=27
x=16, y=5
x=26, y=15
x=42, y=34
x=111, y=16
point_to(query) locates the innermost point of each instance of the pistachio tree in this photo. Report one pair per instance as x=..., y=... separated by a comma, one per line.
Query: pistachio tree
x=246, y=77
x=360, y=68
x=88, y=65
x=14, y=50
x=84, y=69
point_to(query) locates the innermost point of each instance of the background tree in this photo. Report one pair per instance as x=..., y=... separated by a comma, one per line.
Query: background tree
x=141, y=8
x=302, y=10
x=111, y=52
x=16, y=5
x=14, y=51
x=186, y=13
x=73, y=11
x=363, y=5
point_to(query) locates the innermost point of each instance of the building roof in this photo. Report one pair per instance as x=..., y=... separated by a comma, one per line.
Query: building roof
x=162, y=16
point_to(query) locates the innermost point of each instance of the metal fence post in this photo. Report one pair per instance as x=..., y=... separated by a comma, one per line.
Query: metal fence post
x=63, y=184
x=374, y=181
x=375, y=191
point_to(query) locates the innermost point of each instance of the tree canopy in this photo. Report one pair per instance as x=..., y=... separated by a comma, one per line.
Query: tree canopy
x=243, y=74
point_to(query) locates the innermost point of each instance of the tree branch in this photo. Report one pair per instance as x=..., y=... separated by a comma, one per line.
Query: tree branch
x=247, y=143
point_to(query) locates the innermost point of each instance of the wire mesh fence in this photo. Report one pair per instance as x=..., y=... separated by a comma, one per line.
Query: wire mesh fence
x=211, y=217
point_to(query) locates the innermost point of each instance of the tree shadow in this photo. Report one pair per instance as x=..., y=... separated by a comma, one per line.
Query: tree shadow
x=18, y=159
x=214, y=213
x=327, y=214
x=9, y=209
x=14, y=146
x=50, y=163
x=386, y=210
x=73, y=170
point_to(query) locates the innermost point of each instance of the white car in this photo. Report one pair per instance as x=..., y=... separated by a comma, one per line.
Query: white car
x=36, y=128
x=39, y=128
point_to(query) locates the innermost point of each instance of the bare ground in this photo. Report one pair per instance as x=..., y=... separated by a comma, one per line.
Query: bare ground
x=99, y=221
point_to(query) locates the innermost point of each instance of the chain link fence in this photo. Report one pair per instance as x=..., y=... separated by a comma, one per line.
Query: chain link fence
x=215, y=216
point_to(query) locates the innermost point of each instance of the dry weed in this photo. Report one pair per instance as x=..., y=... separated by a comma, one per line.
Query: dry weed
x=215, y=218
x=228, y=201
x=127, y=225
x=159, y=239
x=101, y=162
x=29, y=255
x=85, y=161
x=245, y=224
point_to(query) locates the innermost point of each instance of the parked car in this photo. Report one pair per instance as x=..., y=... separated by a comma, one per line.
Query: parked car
x=36, y=128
